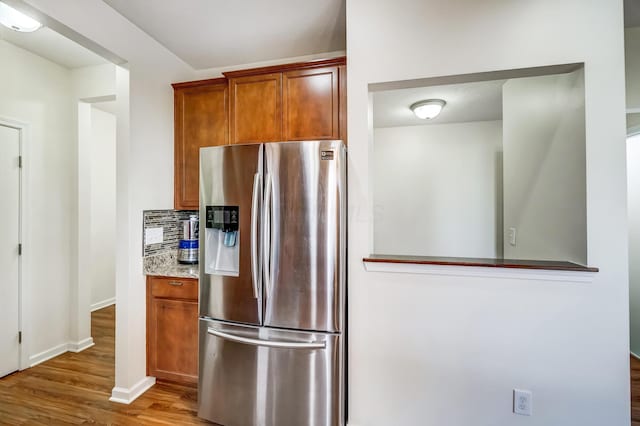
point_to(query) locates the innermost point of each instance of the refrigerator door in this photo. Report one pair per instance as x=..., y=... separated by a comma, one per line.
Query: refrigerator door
x=304, y=241
x=265, y=377
x=231, y=177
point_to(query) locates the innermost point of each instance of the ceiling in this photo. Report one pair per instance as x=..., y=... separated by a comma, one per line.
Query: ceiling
x=481, y=101
x=52, y=46
x=632, y=13
x=220, y=33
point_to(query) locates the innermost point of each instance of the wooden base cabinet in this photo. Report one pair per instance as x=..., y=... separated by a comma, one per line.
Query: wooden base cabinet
x=172, y=329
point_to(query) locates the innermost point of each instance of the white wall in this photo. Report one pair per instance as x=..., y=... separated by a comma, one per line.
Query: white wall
x=103, y=206
x=144, y=153
x=437, y=190
x=632, y=64
x=633, y=188
x=89, y=84
x=38, y=92
x=544, y=167
x=448, y=349
x=633, y=122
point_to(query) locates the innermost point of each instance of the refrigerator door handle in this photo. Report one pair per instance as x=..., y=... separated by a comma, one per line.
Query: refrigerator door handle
x=266, y=343
x=274, y=232
x=254, y=234
x=266, y=236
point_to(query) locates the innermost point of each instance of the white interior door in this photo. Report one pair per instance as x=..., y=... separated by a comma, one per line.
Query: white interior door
x=9, y=239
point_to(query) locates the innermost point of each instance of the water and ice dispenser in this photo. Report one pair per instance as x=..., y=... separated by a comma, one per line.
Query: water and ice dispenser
x=222, y=241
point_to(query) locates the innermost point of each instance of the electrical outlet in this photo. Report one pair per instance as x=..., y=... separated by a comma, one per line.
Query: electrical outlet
x=153, y=236
x=522, y=402
x=512, y=236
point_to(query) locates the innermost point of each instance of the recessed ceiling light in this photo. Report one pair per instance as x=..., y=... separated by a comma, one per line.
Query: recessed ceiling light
x=16, y=20
x=428, y=109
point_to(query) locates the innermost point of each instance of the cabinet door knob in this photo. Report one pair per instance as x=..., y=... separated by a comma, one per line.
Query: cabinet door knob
x=176, y=283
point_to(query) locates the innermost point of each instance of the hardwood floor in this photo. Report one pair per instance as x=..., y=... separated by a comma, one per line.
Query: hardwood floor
x=635, y=391
x=75, y=389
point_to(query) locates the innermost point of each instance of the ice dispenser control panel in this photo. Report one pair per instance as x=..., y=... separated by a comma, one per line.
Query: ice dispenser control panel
x=222, y=240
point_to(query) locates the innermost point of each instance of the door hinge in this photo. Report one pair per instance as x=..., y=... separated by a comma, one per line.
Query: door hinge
x=20, y=161
x=20, y=249
x=19, y=336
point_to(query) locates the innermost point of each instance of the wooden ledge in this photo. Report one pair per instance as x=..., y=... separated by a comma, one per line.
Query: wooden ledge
x=480, y=262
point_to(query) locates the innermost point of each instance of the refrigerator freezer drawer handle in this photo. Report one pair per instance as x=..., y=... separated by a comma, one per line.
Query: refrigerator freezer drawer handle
x=266, y=343
x=254, y=234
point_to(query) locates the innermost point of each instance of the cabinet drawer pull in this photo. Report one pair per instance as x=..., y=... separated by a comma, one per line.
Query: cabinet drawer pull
x=175, y=283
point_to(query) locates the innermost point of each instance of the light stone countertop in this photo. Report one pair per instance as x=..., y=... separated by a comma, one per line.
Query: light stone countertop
x=166, y=265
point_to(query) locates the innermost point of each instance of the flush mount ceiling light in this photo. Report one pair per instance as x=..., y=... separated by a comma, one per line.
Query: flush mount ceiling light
x=16, y=20
x=428, y=109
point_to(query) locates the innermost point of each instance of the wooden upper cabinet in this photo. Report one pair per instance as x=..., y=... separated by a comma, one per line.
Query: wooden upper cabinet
x=201, y=119
x=311, y=104
x=256, y=108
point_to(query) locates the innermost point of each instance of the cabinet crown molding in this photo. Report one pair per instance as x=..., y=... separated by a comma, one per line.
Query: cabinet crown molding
x=342, y=60
x=199, y=83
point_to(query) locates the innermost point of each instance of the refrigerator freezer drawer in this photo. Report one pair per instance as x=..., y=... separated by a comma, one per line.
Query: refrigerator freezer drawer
x=266, y=377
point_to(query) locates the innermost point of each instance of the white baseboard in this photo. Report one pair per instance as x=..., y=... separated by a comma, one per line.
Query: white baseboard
x=128, y=395
x=635, y=356
x=48, y=354
x=81, y=345
x=59, y=350
x=103, y=304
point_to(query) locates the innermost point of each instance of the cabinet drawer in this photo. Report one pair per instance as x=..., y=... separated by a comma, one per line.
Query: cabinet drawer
x=176, y=288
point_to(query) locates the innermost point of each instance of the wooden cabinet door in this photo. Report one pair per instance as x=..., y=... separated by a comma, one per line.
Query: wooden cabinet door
x=172, y=334
x=311, y=104
x=201, y=119
x=256, y=108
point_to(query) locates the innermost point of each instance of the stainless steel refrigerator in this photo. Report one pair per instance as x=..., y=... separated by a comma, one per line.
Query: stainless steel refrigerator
x=272, y=284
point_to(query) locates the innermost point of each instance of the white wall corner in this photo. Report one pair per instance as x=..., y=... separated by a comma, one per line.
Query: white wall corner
x=128, y=395
x=103, y=304
x=60, y=349
x=80, y=345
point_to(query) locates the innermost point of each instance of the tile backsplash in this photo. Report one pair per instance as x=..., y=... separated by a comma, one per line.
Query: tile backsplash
x=168, y=220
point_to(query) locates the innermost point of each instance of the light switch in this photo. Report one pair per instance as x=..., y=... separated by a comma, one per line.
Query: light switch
x=153, y=236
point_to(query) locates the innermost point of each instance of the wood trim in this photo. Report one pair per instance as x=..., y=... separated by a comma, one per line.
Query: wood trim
x=320, y=63
x=178, y=160
x=149, y=330
x=342, y=94
x=198, y=83
x=481, y=262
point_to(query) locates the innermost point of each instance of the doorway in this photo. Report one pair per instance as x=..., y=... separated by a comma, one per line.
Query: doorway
x=10, y=248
